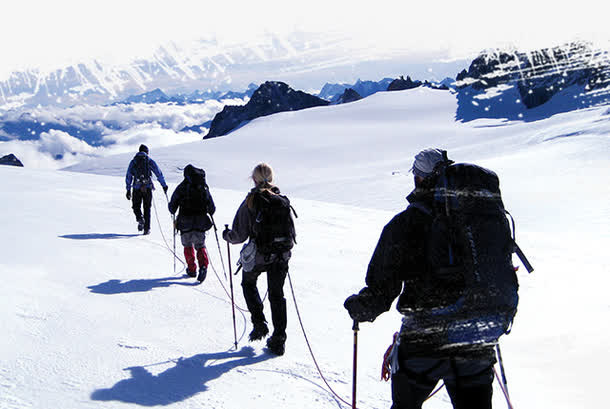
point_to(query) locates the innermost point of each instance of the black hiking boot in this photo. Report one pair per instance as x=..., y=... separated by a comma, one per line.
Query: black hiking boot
x=140, y=225
x=146, y=232
x=276, y=344
x=203, y=271
x=259, y=332
x=191, y=273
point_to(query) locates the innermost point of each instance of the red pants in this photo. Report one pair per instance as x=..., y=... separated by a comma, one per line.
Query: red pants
x=202, y=258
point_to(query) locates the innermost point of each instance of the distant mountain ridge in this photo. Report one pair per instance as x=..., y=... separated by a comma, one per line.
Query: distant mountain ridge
x=195, y=97
x=330, y=92
x=302, y=59
x=205, y=65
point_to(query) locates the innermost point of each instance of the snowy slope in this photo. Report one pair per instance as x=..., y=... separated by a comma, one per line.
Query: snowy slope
x=96, y=317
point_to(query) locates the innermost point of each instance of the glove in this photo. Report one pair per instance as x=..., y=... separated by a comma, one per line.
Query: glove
x=128, y=195
x=357, y=311
x=165, y=189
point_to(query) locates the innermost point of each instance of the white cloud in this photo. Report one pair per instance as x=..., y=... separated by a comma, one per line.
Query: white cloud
x=57, y=149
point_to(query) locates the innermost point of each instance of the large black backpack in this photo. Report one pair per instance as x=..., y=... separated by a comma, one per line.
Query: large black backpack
x=197, y=191
x=141, y=170
x=470, y=249
x=274, y=231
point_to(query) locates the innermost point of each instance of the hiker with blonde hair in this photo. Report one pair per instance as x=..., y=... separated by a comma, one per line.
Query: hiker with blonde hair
x=264, y=218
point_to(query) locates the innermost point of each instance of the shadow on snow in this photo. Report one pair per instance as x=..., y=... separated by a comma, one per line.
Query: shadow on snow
x=97, y=236
x=478, y=104
x=138, y=286
x=187, y=378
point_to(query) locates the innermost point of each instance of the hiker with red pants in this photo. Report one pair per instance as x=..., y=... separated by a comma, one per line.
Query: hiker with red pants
x=193, y=198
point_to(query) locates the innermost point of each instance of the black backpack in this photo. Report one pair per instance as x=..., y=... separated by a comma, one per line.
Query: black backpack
x=141, y=170
x=197, y=191
x=470, y=247
x=274, y=231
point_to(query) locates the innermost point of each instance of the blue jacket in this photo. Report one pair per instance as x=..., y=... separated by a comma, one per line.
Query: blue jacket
x=152, y=168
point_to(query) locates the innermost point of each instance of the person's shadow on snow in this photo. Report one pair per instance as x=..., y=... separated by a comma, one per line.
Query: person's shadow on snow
x=140, y=285
x=186, y=379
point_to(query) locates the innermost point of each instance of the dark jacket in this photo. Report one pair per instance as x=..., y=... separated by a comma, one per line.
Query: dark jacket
x=192, y=215
x=243, y=227
x=399, y=261
x=152, y=168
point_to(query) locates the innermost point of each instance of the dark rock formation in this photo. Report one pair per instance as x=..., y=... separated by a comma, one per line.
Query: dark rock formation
x=400, y=84
x=10, y=160
x=349, y=95
x=435, y=85
x=197, y=128
x=540, y=74
x=270, y=98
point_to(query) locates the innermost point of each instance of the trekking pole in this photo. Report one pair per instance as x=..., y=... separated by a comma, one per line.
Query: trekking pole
x=174, y=231
x=218, y=243
x=355, y=328
x=504, y=382
x=174, y=224
x=231, y=282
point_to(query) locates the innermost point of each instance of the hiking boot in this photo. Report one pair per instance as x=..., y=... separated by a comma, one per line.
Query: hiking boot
x=259, y=332
x=276, y=344
x=140, y=225
x=146, y=232
x=203, y=271
x=191, y=273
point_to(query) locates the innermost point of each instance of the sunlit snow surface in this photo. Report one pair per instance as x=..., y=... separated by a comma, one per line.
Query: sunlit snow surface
x=94, y=315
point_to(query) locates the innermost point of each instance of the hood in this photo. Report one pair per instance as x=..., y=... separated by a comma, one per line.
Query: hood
x=189, y=170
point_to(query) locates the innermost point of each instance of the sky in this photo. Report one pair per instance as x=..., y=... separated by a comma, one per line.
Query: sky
x=51, y=34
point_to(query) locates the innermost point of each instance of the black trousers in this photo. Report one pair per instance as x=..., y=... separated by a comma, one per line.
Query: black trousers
x=468, y=379
x=138, y=199
x=276, y=276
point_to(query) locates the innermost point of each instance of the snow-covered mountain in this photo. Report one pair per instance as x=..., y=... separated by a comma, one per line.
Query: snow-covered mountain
x=519, y=85
x=305, y=60
x=94, y=316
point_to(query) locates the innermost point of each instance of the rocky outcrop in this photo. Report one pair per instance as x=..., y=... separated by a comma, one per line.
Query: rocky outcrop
x=349, y=95
x=400, y=84
x=270, y=98
x=435, y=85
x=10, y=160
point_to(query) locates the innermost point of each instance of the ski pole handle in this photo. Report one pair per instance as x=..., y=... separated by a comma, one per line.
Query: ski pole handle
x=213, y=223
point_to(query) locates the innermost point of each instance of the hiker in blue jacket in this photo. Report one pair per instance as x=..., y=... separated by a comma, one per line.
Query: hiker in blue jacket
x=139, y=173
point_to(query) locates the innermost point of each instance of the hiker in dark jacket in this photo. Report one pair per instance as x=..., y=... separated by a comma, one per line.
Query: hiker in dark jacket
x=193, y=198
x=276, y=266
x=399, y=264
x=139, y=173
